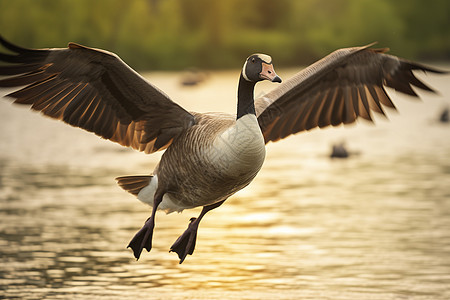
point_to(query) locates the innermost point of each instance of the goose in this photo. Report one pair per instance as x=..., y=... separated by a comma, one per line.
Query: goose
x=208, y=156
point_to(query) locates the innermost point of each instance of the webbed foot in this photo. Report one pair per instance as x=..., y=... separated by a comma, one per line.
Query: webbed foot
x=142, y=239
x=185, y=244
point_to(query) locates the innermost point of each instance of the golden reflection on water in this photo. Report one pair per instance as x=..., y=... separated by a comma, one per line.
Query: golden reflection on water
x=374, y=226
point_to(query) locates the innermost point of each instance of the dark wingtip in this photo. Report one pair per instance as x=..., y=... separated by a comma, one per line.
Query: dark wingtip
x=425, y=68
x=14, y=48
x=20, y=55
x=432, y=70
x=418, y=83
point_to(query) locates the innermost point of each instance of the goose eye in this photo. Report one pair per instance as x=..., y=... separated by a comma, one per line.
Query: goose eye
x=253, y=60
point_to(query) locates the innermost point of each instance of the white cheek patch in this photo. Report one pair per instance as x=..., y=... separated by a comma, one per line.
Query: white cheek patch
x=243, y=71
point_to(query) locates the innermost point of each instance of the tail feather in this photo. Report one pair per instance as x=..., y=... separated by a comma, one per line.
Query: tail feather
x=134, y=184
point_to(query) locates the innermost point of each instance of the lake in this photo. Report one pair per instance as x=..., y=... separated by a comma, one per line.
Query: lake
x=373, y=226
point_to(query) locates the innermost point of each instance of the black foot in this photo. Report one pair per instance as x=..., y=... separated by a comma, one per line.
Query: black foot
x=185, y=244
x=142, y=239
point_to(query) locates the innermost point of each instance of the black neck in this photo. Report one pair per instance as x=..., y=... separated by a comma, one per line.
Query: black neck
x=246, y=102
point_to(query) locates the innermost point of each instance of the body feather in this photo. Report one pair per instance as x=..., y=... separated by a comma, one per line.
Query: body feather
x=211, y=161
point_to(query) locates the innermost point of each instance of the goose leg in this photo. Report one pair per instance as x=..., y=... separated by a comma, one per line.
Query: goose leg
x=185, y=244
x=143, y=238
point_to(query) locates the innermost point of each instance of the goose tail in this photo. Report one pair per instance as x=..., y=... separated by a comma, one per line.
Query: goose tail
x=134, y=184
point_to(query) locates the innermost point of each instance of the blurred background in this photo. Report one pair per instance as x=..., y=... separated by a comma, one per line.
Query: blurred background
x=371, y=224
x=176, y=34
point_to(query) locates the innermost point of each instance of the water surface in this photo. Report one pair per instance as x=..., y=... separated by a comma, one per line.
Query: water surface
x=374, y=226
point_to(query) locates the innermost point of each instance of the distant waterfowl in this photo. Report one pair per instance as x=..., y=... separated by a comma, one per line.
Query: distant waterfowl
x=209, y=156
x=192, y=77
x=445, y=116
x=339, y=151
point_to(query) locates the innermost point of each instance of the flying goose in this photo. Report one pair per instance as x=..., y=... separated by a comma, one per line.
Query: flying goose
x=208, y=156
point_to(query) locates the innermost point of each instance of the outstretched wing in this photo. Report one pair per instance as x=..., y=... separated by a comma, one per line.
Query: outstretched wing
x=347, y=84
x=94, y=90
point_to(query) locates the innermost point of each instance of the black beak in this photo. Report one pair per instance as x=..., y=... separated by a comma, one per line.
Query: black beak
x=276, y=79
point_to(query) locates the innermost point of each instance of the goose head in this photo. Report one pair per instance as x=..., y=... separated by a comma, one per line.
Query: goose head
x=259, y=67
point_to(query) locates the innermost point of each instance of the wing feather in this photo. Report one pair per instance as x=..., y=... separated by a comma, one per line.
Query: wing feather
x=374, y=101
x=325, y=119
x=364, y=107
x=338, y=89
x=95, y=90
x=337, y=109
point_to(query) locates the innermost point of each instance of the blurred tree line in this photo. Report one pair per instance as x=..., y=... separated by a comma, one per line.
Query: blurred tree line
x=175, y=34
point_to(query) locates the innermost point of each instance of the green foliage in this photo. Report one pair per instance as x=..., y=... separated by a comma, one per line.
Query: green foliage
x=176, y=34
